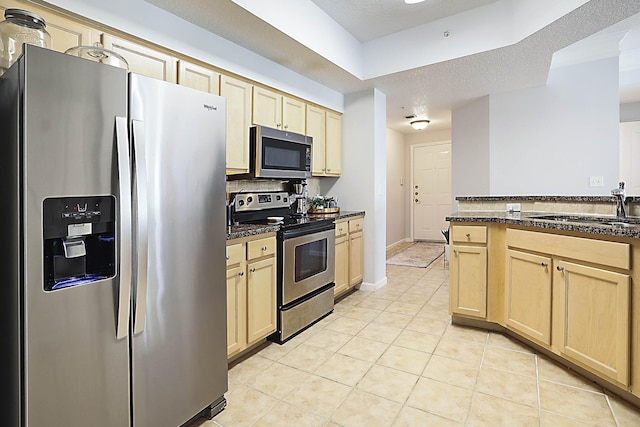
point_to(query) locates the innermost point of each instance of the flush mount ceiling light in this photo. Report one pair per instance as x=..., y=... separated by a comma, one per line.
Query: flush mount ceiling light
x=419, y=124
x=413, y=1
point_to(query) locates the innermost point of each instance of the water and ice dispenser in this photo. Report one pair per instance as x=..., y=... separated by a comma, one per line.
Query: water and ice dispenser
x=79, y=240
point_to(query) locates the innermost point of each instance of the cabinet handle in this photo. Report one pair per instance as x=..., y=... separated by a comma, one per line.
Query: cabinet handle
x=252, y=269
x=328, y=170
x=468, y=235
x=241, y=273
x=279, y=125
x=264, y=248
x=228, y=257
x=544, y=264
x=455, y=251
x=560, y=268
x=286, y=126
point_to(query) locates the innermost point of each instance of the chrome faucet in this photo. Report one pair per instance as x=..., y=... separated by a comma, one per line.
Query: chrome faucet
x=621, y=196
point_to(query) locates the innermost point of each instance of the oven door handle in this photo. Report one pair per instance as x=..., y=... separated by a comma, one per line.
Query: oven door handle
x=307, y=229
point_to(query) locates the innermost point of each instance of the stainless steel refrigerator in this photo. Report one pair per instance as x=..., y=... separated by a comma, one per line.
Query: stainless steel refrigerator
x=113, y=296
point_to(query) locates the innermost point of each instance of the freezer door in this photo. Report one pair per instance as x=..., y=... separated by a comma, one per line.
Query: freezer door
x=76, y=371
x=179, y=339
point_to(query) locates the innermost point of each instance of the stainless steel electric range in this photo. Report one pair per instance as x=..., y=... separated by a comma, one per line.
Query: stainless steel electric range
x=306, y=259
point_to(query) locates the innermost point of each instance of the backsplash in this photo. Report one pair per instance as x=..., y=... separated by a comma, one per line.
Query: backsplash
x=234, y=186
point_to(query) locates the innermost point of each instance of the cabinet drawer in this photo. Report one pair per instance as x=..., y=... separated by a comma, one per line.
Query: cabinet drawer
x=260, y=248
x=235, y=254
x=356, y=225
x=469, y=233
x=342, y=228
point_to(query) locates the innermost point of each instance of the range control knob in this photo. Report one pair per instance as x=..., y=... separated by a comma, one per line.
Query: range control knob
x=249, y=199
x=241, y=202
x=285, y=199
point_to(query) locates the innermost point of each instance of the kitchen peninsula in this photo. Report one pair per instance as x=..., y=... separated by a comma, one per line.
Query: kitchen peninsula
x=556, y=272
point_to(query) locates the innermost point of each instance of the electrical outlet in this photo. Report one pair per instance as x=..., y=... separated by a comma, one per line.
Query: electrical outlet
x=513, y=207
x=596, y=181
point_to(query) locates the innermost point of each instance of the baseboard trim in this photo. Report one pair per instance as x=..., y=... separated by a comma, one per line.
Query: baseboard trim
x=373, y=286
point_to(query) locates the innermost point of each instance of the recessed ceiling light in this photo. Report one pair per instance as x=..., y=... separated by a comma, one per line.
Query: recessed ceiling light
x=413, y=1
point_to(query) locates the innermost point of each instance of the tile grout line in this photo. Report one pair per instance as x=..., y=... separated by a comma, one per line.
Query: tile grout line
x=475, y=384
x=538, y=389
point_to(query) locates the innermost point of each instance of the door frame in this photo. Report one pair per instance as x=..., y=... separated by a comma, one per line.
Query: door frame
x=413, y=147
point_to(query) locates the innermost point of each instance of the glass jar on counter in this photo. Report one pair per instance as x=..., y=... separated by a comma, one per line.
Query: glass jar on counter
x=20, y=26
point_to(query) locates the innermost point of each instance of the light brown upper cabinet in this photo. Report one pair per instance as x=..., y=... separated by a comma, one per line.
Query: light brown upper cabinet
x=326, y=129
x=65, y=32
x=277, y=111
x=333, y=149
x=238, y=95
x=197, y=77
x=143, y=60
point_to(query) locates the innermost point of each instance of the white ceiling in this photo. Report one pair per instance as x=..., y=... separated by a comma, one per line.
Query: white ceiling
x=404, y=50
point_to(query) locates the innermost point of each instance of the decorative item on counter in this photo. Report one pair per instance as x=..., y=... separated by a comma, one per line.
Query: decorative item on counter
x=98, y=53
x=19, y=27
x=445, y=233
x=323, y=205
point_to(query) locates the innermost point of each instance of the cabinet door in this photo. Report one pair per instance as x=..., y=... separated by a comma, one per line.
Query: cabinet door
x=528, y=295
x=342, y=265
x=356, y=258
x=293, y=115
x=468, y=281
x=144, y=60
x=316, y=125
x=197, y=77
x=65, y=33
x=593, y=318
x=238, y=95
x=267, y=108
x=261, y=299
x=236, y=310
x=333, y=150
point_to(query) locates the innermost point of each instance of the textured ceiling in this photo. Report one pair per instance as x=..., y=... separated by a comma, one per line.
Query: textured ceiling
x=371, y=19
x=430, y=91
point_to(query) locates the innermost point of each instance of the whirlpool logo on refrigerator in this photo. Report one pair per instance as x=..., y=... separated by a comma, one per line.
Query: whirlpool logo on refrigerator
x=210, y=107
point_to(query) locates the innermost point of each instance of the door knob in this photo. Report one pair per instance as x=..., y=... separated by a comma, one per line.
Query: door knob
x=417, y=200
x=415, y=187
x=416, y=193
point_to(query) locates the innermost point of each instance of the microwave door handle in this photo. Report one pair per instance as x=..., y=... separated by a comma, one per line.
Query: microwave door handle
x=142, y=225
x=124, y=199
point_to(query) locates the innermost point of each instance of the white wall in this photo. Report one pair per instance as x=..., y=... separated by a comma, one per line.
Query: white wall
x=397, y=188
x=470, y=149
x=630, y=112
x=551, y=139
x=362, y=185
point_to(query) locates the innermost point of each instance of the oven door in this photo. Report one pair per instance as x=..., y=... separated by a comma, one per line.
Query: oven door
x=308, y=262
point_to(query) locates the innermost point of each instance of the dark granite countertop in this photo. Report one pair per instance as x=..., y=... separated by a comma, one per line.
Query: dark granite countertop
x=246, y=230
x=601, y=199
x=592, y=224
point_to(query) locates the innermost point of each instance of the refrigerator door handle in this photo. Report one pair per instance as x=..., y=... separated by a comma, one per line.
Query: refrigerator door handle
x=142, y=235
x=124, y=197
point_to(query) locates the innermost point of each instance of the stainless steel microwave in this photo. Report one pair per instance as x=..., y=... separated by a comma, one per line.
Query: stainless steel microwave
x=277, y=154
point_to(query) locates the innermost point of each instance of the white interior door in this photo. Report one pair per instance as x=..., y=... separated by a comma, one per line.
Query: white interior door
x=630, y=157
x=431, y=190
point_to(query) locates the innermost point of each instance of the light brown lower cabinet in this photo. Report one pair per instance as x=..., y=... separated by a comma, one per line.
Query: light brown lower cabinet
x=349, y=265
x=468, y=271
x=569, y=295
x=528, y=295
x=251, y=292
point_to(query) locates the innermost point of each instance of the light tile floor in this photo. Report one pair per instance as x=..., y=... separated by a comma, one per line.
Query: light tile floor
x=392, y=358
